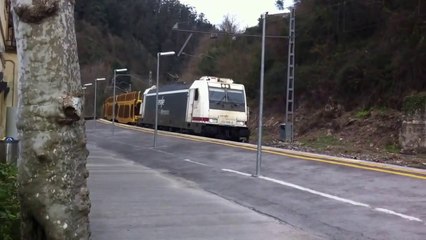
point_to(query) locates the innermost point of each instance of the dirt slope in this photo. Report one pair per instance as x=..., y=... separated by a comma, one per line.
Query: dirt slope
x=367, y=135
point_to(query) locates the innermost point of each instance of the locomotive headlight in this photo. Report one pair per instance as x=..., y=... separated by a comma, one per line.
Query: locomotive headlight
x=213, y=120
x=241, y=123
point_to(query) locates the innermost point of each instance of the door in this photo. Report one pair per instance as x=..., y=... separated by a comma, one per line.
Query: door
x=190, y=103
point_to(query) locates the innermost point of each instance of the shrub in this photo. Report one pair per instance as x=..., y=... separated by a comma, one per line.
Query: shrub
x=414, y=103
x=392, y=148
x=363, y=114
x=9, y=203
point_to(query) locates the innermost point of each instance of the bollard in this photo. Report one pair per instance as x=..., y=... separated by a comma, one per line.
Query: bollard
x=282, y=132
x=9, y=150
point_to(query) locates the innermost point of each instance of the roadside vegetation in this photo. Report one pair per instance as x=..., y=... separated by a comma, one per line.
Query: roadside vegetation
x=322, y=142
x=9, y=203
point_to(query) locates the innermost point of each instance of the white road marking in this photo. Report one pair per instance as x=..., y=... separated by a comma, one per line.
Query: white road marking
x=326, y=195
x=329, y=196
x=240, y=173
x=202, y=164
x=398, y=214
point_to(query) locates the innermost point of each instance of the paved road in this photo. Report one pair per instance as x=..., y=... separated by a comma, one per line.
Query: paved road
x=327, y=198
x=133, y=202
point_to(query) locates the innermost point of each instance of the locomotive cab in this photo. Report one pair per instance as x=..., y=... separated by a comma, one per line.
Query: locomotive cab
x=221, y=106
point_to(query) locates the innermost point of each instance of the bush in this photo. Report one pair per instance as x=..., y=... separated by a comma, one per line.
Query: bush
x=415, y=103
x=9, y=203
x=363, y=114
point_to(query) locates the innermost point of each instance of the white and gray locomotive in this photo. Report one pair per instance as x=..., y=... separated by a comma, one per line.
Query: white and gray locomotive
x=210, y=106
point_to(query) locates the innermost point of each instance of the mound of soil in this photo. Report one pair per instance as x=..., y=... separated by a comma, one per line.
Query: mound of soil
x=370, y=135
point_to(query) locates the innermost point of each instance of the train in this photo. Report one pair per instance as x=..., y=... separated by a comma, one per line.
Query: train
x=127, y=108
x=210, y=106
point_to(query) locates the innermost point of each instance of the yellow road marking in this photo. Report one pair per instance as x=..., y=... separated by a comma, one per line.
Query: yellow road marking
x=359, y=165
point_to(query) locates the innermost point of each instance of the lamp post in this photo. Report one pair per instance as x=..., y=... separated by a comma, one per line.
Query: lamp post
x=262, y=76
x=84, y=88
x=159, y=54
x=94, y=104
x=113, y=100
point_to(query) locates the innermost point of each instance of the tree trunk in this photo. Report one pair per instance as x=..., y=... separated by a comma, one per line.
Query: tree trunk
x=52, y=163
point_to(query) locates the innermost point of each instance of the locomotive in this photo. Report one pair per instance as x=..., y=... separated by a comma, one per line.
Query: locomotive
x=211, y=106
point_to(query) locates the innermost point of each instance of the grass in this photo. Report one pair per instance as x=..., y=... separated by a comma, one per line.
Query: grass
x=363, y=114
x=392, y=148
x=322, y=142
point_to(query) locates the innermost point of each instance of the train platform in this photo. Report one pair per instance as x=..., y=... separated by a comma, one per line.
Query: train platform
x=131, y=201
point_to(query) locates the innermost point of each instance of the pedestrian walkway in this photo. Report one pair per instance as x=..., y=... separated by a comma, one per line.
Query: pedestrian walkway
x=130, y=201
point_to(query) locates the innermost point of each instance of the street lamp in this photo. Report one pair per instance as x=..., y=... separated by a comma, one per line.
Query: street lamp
x=84, y=88
x=94, y=104
x=113, y=106
x=262, y=76
x=159, y=54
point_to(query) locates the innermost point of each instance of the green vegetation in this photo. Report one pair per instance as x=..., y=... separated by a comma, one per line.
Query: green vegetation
x=363, y=114
x=392, y=148
x=362, y=54
x=9, y=203
x=322, y=142
x=415, y=103
x=129, y=34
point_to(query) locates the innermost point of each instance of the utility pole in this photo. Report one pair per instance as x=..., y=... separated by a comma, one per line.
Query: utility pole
x=289, y=113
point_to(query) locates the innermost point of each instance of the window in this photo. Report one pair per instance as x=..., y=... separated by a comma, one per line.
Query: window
x=126, y=111
x=227, y=99
x=137, y=108
x=196, y=95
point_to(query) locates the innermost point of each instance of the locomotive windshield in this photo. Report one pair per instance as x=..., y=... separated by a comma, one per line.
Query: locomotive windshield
x=227, y=99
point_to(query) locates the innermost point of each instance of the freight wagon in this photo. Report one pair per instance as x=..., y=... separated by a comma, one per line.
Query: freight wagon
x=127, y=108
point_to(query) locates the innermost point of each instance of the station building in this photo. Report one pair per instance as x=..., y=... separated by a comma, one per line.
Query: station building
x=8, y=73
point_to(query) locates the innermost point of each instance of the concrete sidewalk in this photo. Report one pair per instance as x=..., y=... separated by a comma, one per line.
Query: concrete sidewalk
x=130, y=201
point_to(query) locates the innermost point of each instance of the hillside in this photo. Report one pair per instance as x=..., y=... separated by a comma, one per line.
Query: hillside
x=117, y=34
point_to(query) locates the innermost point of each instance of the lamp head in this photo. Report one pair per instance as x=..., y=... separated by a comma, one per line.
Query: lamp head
x=121, y=70
x=166, y=53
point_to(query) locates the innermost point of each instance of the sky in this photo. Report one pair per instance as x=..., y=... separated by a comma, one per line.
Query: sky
x=245, y=12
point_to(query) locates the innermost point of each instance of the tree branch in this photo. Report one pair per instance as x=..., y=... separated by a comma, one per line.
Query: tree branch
x=37, y=11
x=72, y=110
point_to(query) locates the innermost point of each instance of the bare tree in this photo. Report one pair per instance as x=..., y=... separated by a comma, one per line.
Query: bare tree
x=52, y=164
x=279, y=4
x=229, y=24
